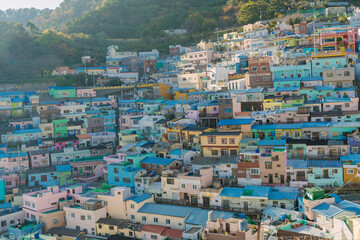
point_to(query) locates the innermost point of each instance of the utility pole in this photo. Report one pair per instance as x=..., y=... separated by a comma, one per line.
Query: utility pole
x=314, y=33
x=86, y=80
x=217, y=35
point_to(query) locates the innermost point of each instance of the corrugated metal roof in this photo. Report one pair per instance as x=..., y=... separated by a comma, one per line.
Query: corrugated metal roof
x=231, y=192
x=157, y=160
x=166, y=210
x=327, y=210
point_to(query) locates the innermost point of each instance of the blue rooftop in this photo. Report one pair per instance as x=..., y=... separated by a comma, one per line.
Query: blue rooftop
x=166, y=210
x=157, y=160
x=33, y=130
x=332, y=100
x=62, y=88
x=297, y=163
x=231, y=192
x=140, y=198
x=63, y=168
x=178, y=152
x=350, y=206
x=286, y=89
x=200, y=216
x=276, y=195
x=257, y=191
x=272, y=142
x=327, y=210
x=278, y=126
x=325, y=163
x=240, y=121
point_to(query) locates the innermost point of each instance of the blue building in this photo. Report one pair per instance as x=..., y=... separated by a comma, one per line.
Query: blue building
x=122, y=174
x=109, y=120
x=44, y=177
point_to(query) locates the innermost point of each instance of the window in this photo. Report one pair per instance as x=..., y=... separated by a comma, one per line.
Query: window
x=335, y=134
x=350, y=171
x=132, y=217
x=263, y=68
x=182, y=185
x=268, y=165
x=347, y=73
x=44, y=178
x=254, y=171
x=334, y=171
x=282, y=205
x=88, y=168
x=153, y=237
x=232, y=141
x=355, y=149
x=116, y=179
x=82, y=217
x=211, y=140
x=214, y=152
x=72, y=215
x=233, y=152
x=111, y=227
x=223, y=141
x=126, y=180
x=116, y=170
x=55, y=220
x=329, y=74
x=89, y=217
x=194, y=187
x=167, y=221
x=254, y=69
x=100, y=226
x=347, y=105
x=132, y=206
x=143, y=218
x=156, y=220
x=275, y=203
x=170, y=181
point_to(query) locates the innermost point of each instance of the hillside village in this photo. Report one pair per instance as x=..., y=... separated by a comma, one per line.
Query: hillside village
x=253, y=136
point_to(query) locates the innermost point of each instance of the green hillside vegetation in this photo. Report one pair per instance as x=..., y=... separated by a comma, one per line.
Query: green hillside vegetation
x=68, y=9
x=29, y=52
x=22, y=15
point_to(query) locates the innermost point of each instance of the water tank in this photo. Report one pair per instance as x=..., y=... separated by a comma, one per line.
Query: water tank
x=154, y=172
x=243, y=215
x=15, y=208
x=212, y=216
x=283, y=217
x=243, y=225
x=191, y=173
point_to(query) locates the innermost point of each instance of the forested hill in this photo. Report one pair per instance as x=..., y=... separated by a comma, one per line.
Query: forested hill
x=68, y=10
x=22, y=15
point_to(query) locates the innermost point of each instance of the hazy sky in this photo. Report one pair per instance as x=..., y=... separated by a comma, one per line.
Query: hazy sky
x=41, y=4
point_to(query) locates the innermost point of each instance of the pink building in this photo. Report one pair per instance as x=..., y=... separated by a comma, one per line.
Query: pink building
x=85, y=217
x=102, y=101
x=64, y=142
x=41, y=201
x=88, y=170
x=85, y=92
x=74, y=191
x=14, y=162
x=340, y=104
x=11, y=180
x=130, y=120
x=190, y=184
x=193, y=114
x=150, y=231
x=292, y=115
x=22, y=123
x=64, y=70
x=40, y=158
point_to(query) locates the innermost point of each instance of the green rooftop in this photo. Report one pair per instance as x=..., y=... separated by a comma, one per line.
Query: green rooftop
x=248, y=192
x=51, y=211
x=88, y=159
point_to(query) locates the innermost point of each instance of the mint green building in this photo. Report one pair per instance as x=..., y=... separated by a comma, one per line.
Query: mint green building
x=62, y=92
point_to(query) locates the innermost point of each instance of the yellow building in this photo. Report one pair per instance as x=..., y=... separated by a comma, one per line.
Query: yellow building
x=62, y=233
x=272, y=103
x=162, y=90
x=293, y=131
x=192, y=134
x=181, y=93
x=111, y=226
x=216, y=144
x=53, y=218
